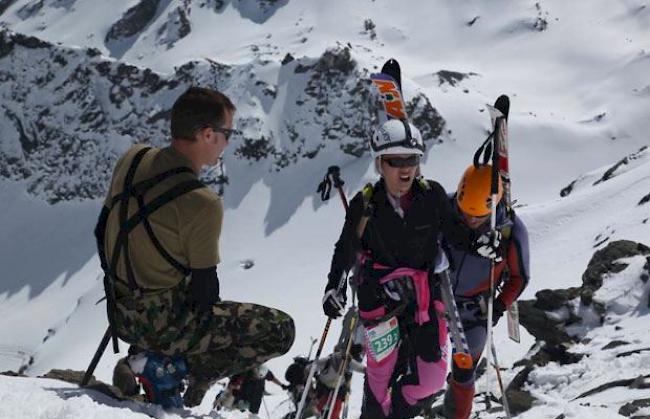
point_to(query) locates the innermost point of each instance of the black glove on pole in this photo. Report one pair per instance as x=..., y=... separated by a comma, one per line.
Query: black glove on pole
x=335, y=297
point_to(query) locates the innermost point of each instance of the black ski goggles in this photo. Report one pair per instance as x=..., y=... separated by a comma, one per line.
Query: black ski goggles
x=398, y=162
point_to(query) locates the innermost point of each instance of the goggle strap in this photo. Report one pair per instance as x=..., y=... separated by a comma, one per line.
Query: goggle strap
x=407, y=130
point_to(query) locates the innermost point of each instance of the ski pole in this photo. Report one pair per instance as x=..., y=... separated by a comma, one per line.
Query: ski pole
x=312, y=369
x=506, y=405
x=344, y=365
x=333, y=175
x=311, y=347
x=98, y=355
x=461, y=356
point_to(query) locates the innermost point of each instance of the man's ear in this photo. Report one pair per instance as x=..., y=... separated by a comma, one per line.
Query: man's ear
x=202, y=134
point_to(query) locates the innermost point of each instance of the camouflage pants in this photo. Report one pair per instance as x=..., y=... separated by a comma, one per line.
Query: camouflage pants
x=226, y=340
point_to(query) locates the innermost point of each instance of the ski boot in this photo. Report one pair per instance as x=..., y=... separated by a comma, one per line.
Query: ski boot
x=161, y=377
x=124, y=378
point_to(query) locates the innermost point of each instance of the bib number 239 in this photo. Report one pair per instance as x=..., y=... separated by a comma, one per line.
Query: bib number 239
x=383, y=338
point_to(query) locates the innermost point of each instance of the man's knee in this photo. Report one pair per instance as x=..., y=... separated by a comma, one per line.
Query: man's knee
x=287, y=332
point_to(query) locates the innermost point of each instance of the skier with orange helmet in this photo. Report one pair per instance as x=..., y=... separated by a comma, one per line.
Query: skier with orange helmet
x=470, y=275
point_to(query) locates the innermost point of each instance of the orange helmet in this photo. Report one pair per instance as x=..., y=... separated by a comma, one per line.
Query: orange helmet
x=473, y=195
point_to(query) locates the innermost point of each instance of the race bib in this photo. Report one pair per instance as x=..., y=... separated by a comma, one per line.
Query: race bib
x=383, y=338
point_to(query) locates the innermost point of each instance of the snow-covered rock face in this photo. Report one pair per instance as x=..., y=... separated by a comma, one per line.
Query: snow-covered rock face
x=67, y=114
x=564, y=316
x=171, y=22
x=582, y=330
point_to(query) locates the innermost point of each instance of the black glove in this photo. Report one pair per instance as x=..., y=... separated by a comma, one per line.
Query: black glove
x=203, y=289
x=487, y=245
x=498, y=308
x=335, y=297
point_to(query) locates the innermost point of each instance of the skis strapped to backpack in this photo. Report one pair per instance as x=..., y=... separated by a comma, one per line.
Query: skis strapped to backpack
x=497, y=152
x=502, y=107
x=391, y=103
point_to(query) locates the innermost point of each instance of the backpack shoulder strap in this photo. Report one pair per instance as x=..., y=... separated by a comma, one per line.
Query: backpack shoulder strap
x=127, y=224
x=506, y=231
x=367, y=193
x=122, y=243
x=424, y=183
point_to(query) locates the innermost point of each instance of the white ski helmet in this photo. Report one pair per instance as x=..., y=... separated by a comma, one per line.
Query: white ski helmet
x=396, y=136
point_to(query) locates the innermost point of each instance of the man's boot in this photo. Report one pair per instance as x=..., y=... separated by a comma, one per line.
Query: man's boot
x=196, y=389
x=124, y=378
x=458, y=401
x=161, y=377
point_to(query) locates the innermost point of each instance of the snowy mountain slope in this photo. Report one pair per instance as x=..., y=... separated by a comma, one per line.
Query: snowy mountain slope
x=597, y=176
x=575, y=71
x=566, y=231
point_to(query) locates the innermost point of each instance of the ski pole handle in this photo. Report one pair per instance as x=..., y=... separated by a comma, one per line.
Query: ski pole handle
x=335, y=173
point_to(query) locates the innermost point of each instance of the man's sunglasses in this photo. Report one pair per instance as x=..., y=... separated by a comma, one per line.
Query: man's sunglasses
x=398, y=162
x=227, y=132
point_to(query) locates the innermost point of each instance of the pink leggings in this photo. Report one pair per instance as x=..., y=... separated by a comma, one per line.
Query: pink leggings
x=431, y=375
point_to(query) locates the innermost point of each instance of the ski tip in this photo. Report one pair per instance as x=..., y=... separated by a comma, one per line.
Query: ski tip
x=503, y=104
x=392, y=68
x=390, y=65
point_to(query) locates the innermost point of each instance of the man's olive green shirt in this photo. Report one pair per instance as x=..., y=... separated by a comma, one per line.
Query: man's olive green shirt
x=188, y=227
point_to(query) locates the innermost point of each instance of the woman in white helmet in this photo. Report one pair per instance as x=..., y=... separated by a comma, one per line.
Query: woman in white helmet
x=392, y=229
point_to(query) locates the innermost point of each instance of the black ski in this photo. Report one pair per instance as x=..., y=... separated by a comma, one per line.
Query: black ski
x=392, y=68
